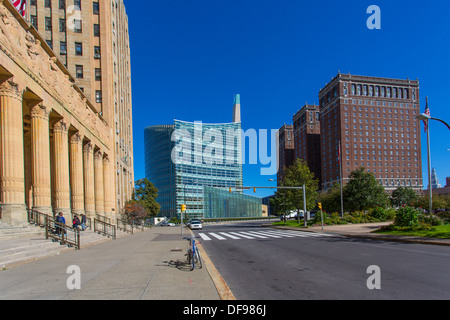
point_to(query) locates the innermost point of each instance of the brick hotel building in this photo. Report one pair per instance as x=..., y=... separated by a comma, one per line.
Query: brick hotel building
x=374, y=120
x=285, y=150
x=307, y=137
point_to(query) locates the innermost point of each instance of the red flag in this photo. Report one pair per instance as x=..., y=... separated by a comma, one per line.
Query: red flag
x=427, y=112
x=21, y=6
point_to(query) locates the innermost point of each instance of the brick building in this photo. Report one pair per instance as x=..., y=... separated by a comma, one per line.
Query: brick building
x=374, y=119
x=306, y=123
x=285, y=149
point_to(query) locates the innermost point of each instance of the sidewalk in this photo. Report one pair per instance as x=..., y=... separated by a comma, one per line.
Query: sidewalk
x=364, y=230
x=143, y=266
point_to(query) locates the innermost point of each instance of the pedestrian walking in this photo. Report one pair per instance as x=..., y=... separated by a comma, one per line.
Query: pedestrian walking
x=83, y=222
x=76, y=222
x=60, y=222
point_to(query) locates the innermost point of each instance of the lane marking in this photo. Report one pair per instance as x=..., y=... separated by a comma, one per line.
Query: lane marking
x=217, y=236
x=204, y=237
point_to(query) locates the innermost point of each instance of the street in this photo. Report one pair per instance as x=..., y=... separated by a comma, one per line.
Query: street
x=261, y=263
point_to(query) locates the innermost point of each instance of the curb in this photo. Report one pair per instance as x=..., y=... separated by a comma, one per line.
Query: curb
x=221, y=286
x=404, y=239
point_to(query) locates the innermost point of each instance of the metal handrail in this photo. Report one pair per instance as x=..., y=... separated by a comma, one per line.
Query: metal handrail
x=105, y=229
x=60, y=232
x=125, y=226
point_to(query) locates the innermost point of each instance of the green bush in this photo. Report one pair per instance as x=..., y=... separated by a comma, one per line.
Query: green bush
x=406, y=217
x=378, y=214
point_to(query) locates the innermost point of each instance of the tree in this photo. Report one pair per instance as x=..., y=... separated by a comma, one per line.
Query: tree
x=145, y=193
x=134, y=211
x=363, y=192
x=403, y=196
x=331, y=200
x=297, y=175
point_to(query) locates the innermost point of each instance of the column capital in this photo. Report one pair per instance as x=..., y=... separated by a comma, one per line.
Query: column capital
x=40, y=111
x=76, y=138
x=11, y=88
x=98, y=155
x=61, y=126
x=88, y=147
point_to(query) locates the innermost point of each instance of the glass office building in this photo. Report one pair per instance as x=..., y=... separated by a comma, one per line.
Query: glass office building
x=194, y=162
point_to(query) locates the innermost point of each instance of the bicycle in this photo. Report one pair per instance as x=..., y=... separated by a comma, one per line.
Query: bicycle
x=193, y=254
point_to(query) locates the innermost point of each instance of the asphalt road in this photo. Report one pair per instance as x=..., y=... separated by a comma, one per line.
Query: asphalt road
x=287, y=267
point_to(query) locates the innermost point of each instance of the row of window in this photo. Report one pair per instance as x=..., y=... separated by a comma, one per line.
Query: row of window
x=62, y=5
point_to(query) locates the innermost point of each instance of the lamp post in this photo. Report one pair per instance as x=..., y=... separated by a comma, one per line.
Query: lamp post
x=426, y=117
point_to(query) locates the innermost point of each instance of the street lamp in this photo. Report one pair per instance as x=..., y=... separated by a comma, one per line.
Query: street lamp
x=426, y=117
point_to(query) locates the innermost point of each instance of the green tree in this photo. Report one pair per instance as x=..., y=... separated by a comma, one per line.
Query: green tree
x=363, y=192
x=403, y=196
x=297, y=175
x=331, y=200
x=145, y=193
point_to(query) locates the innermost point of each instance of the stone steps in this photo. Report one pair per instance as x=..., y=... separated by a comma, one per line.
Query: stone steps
x=19, y=245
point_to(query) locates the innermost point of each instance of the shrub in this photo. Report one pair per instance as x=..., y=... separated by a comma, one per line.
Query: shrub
x=378, y=214
x=406, y=217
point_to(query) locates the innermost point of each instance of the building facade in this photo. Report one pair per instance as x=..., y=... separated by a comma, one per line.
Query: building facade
x=195, y=164
x=285, y=150
x=91, y=40
x=373, y=119
x=306, y=126
x=57, y=151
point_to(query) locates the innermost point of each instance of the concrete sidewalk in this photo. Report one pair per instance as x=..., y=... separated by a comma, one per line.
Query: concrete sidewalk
x=365, y=230
x=145, y=266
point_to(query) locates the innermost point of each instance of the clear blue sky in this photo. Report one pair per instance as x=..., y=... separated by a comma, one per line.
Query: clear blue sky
x=189, y=57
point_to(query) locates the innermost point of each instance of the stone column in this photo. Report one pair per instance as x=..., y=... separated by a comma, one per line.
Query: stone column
x=40, y=159
x=12, y=176
x=89, y=183
x=76, y=173
x=61, y=165
x=99, y=186
x=108, y=189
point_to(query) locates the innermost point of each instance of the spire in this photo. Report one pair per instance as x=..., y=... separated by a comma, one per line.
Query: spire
x=237, y=108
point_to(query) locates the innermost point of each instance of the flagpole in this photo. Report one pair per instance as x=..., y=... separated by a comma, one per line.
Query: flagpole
x=342, y=180
x=429, y=168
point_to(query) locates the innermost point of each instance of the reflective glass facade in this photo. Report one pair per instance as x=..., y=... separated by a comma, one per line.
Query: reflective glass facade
x=184, y=158
x=219, y=203
x=159, y=169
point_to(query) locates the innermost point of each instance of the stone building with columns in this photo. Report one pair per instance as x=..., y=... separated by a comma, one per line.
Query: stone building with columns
x=56, y=149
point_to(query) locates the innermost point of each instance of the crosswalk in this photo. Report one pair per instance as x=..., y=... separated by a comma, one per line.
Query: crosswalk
x=260, y=234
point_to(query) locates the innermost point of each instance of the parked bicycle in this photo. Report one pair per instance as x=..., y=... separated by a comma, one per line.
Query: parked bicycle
x=193, y=254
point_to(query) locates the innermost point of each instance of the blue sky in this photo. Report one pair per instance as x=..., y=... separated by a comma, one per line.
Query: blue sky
x=189, y=58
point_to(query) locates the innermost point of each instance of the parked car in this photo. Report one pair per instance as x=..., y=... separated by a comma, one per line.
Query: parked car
x=167, y=224
x=195, y=224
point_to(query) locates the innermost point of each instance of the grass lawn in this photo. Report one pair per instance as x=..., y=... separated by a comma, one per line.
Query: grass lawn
x=290, y=223
x=440, y=232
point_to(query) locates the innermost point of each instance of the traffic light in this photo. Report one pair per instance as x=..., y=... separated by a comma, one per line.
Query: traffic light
x=183, y=208
x=254, y=190
x=319, y=205
x=230, y=190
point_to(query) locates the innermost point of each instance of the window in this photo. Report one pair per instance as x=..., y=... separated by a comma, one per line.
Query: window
x=96, y=30
x=34, y=22
x=48, y=3
x=63, y=48
x=62, y=4
x=78, y=49
x=79, y=71
x=98, y=74
x=98, y=96
x=78, y=26
x=77, y=3
x=62, y=25
x=48, y=24
x=96, y=7
x=97, y=53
